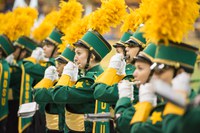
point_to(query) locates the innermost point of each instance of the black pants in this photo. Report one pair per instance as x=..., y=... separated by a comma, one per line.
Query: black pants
x=54, y=131
x=12, y=121
x=3, y=125
x=38, y=123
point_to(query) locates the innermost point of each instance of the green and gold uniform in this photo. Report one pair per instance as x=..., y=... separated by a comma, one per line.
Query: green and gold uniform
x=149, y=119
x=79, y=98
x=124, y=106
x=20, y=88
x=6, y=48
x=54, y=113
x=106, y=88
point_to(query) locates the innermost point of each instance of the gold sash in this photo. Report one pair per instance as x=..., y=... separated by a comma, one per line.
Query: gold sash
x=75, y=122
x=52, y=121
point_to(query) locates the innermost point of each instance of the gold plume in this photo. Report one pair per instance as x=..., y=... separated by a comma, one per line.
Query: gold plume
x=76, y=31
x=46, y=27
x=109, y=15
x=170, y=20
x=137, y=16
x=20, y=22
x=69, y=12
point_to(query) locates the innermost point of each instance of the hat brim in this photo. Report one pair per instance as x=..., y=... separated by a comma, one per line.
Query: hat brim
x=61, y=60
x=143, y=59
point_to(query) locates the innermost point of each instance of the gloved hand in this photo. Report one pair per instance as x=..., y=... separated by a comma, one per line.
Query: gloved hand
x=117, y=62
x=38, y=54
x=122, y=70
x=125, y=89
x=10, y=59
x=51, y=73
x=181, y=83
x=146, y=94
x=71, y=70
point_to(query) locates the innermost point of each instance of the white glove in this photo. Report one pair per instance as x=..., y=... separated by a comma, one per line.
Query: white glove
x=51, y=73
x=146, y=94
x=71, y=70
x=10, y=59
x=122, y=70
x=38, y=54
x=117, y=62
x=181, y=83
x=125, y=89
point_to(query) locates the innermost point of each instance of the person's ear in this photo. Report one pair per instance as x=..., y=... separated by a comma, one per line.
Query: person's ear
x=180, y=70
x=92, y=57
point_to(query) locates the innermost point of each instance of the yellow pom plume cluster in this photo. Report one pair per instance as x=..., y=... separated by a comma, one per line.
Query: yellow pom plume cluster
x=110, y=14
x=20, y=22
x=46, y=27
x=61, y=48
x=69, y=12
x=2, y=19
x=76, y=31
x=170, y=20
x=4, y=22
x=130, y=22
x=137, y=16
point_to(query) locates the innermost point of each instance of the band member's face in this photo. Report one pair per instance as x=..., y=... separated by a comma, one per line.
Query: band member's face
x=16, y=53
x=142, y=71
x=60, y=66
x=81, y=55
x=48, y=49
x=120, y=50
x=165, y=75
x=23, y=54
x=131, y=52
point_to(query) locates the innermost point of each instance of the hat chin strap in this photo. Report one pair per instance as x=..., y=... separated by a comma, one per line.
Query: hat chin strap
x=88, y=60
x=150, y=76
x=52, y=53
x=19, y=54
x=133, y=61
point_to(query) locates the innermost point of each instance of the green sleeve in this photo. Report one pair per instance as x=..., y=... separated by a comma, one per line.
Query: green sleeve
x=125, y=108
x=145, y=127
x=35, y=70
x=190, y=121
x=80, y=93
x=43, y=95
x=105, y=93
x=170, y=123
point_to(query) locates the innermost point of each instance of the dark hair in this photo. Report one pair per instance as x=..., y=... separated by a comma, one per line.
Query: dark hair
x=3, y=53
x=61, y=60
x=47, y=42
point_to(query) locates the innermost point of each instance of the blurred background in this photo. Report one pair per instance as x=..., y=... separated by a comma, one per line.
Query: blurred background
x=46, y=6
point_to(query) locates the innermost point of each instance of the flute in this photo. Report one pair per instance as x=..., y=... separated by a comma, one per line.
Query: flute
x=99, y=117
x=135, y=82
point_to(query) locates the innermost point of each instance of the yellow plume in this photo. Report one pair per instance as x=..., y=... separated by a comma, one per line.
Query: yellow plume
x=130, y=22
x=110, y=14
x=20, y=22
x=61, y=48
x=5, y=22
x=69, y=12
x=137, y=16
x=170, y=20
x=26, y=11
x=46, y=27
x=76, y=31
x=2, y=19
